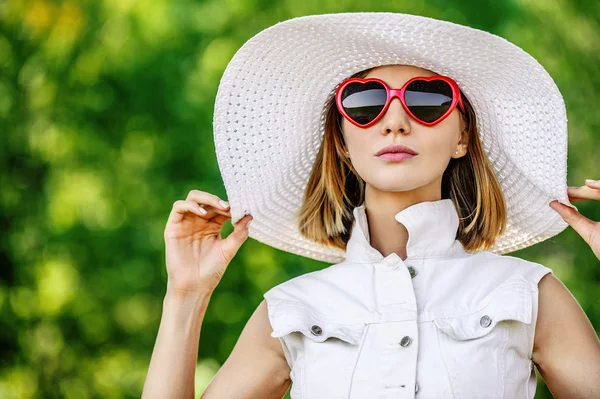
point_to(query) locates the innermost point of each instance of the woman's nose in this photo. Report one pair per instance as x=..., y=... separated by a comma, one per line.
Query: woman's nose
x=395, y=118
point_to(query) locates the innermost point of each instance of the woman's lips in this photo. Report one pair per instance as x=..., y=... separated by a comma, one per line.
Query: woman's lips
x=396, y=156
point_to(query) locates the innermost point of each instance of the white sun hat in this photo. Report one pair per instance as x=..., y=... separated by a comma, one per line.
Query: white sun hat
x=269, y=116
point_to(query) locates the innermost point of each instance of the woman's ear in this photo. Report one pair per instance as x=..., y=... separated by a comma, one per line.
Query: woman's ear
x=461, y=147
x=464, y=140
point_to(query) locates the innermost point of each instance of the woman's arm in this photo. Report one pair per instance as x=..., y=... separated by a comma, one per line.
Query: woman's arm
x=256, y=368
x=173, y=363
x=566, y=348
x=197, y=256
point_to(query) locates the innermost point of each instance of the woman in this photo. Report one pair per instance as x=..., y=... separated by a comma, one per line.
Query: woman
x=414, y=183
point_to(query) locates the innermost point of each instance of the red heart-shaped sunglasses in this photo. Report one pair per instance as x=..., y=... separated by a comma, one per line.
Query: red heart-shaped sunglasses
x=428, y=100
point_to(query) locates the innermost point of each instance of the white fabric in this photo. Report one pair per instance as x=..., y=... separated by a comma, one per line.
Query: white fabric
x=365, y=305
x=269, y=116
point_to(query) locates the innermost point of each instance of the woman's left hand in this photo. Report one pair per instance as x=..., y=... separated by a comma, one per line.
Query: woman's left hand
x=586, y=228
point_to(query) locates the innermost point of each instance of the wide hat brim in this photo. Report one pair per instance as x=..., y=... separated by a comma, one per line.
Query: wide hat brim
x=269, y=116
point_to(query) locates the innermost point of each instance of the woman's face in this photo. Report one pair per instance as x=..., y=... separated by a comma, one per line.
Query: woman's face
x=434, y=145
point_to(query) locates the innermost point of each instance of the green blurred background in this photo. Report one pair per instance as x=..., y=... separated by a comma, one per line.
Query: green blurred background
x=106, y=120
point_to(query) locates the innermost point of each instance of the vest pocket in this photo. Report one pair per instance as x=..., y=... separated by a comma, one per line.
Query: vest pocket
x=509, y=302
x=325, y=350
x=316, y=328
x=474, y=343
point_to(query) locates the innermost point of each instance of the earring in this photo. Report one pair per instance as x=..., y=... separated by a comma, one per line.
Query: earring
x=347, y=153
x=456, y=152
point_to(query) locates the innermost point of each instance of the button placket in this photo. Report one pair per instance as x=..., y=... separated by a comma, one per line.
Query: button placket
x=390, y=280
x=397, y=367
x=396, y=301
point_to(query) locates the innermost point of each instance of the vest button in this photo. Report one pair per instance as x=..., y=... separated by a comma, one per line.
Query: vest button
x=413, y=272
x=405, y=341
x=485, y=321
x=416, y=387
x=316, y=330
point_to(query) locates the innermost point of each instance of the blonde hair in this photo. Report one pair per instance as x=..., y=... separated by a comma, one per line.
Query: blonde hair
x=334, y=188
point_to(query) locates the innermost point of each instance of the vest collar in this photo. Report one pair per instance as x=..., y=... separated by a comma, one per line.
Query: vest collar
x=431, y=225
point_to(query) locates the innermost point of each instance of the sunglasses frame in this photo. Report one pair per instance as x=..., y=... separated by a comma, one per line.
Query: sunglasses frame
x=391, y=93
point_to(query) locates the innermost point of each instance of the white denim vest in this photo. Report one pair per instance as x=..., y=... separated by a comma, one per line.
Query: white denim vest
x=444, y=323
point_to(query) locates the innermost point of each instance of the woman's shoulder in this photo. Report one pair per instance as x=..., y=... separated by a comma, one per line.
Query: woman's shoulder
x=511, y=267
x=326, y=291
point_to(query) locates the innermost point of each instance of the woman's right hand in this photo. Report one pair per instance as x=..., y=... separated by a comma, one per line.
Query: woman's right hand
x=196, y=253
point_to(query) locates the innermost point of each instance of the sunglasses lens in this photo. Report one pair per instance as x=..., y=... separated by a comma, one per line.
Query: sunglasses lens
x=364, y=101
x=428, y=101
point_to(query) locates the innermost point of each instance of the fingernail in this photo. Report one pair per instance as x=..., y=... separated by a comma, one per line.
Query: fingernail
x=204, y=211
x=591, y=181
x=248, y=224
x=224, y=204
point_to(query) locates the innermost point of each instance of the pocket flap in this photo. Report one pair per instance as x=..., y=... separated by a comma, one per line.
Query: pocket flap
x=317, y=327
x=510, y=301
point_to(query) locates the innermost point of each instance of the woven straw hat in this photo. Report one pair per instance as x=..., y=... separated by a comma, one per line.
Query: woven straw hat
x=266, y=140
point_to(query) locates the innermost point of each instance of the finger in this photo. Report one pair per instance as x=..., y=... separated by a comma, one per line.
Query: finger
x=582, y=225
x=181, y=208
x=572, y=196
x=215, y=203
x=237, y=237
x=220, y=219
x=593, y=183
x=211, y=212
x=584, y=192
